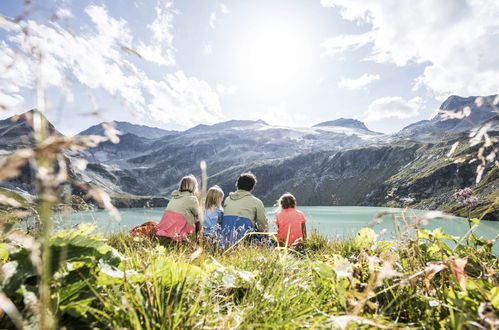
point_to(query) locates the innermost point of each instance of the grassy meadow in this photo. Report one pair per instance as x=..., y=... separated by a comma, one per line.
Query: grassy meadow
x=420, y=280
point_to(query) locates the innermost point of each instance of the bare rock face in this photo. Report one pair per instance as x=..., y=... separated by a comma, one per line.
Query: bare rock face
x=458, y=114
x=344, y=122
x=128, y=128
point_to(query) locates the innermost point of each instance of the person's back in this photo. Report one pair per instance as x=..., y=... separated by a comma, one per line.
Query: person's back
x=181, y=215
x=213, y=212
x=290, y=222
x=243, y=212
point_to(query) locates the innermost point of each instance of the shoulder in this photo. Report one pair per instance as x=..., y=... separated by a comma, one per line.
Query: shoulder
x=257, y=200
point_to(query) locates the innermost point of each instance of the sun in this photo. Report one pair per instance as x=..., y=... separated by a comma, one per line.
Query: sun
x=275, y=55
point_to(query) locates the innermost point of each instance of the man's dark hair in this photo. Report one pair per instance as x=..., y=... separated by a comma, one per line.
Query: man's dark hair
x=246, y=181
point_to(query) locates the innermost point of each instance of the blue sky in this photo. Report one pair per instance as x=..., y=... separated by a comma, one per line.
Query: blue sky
x=296, y=62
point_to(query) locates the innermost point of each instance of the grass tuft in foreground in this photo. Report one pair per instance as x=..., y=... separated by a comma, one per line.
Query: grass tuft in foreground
x=124, y=282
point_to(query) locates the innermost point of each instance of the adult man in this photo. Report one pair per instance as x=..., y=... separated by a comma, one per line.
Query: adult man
x=243, y=212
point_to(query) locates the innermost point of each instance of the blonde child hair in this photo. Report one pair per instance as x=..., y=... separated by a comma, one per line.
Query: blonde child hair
x=214, y=197
x=188, y=183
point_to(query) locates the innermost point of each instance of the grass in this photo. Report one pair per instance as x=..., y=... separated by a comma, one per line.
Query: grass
x=135, y=283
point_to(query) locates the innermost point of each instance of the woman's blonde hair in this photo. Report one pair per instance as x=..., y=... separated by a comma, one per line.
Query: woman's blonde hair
x=188, y=183
x=213, y=196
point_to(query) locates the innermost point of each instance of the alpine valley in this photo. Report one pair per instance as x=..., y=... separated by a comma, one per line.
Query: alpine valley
x=338, y=162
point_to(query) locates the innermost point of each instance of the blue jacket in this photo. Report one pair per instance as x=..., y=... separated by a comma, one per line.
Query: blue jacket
x=212, y=221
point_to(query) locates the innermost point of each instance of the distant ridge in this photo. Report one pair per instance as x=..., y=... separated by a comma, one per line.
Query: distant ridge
x=475, y=111
x=227, y=124
x=126, y=127
x=344, y=122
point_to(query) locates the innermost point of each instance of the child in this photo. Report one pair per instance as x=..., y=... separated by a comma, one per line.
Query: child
x=181, y=216
x=290, y=222
x=213, y=211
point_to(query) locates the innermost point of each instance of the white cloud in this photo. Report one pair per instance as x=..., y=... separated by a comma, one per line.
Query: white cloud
x=213, y=15
x=224, y=9
x=63, y=13
x=161, y=50
x=457, y=39
x=183, y=100
x=342, y=43
x=227, y=90
x=207, y=48
x=213, y=18
x=393, y=107
x=360, y=83
x=97, y=60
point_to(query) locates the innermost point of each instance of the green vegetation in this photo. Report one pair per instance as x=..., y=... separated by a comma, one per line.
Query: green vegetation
x=125, y=282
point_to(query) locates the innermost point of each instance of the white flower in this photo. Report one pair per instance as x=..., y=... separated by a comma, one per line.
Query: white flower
x=246, y=276
x=229, y=280
x=343, y=268
x=434, y=303
x=373, y=261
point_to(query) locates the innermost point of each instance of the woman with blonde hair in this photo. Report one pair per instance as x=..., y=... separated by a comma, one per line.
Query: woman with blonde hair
x=181, y=217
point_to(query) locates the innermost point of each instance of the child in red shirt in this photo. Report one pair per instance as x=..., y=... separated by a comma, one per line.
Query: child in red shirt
x=290, y=222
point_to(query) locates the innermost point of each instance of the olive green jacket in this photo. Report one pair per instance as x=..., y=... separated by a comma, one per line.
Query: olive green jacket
x=185, y=203
x=243, y=204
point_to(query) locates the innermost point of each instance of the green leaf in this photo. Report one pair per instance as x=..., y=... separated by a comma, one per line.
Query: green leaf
x=172, y=272
x=494, y=297
x=475, y=221
x=4, y=251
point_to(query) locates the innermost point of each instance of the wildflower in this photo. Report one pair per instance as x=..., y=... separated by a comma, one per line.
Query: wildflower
x=229, y=280
x=343, y=268
x=365, y=237
x=268, y=297
x=434, y=303
x=471, y=201
x=246, y=276
x=386, y=271
x=463, y=193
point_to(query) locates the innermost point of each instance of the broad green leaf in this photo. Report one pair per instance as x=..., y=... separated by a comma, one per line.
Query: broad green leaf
x=494, y=297
x=4, y=251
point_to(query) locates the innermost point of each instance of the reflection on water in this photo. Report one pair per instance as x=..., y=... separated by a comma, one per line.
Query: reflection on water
x=329, y=220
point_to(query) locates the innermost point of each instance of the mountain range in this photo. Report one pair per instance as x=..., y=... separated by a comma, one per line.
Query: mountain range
x=338, y=162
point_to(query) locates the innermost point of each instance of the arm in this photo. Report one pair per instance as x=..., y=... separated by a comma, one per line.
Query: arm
x=194, y=207
x=199, y=233
x=304, y=231
x=198, y=226
x=262, y=223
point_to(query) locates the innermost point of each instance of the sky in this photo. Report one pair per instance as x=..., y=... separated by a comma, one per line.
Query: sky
x=176, y=64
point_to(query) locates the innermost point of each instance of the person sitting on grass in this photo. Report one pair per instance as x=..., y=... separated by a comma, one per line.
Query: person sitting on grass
x=213, y=212
x=181, y=217
x=243, y=212
x=291, y=228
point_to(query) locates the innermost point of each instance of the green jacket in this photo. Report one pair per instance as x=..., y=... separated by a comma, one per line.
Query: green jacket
x=242, y=203
x=185, y=203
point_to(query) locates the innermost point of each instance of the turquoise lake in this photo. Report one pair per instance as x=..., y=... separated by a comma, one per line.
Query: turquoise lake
x=330, y=220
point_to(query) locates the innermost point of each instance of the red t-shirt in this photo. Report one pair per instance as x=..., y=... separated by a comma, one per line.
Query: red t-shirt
x=289, y=222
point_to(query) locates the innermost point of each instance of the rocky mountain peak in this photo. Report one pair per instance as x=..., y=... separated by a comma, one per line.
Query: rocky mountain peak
x=227, y=125
x=129, y=128
x=344, y=122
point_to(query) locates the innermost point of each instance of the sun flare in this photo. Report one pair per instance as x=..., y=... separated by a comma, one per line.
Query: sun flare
x=275, y=55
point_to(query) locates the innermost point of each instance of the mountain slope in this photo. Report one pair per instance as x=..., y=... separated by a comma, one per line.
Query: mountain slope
x=339, y=162
x=472, y=111
x=125, y=128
